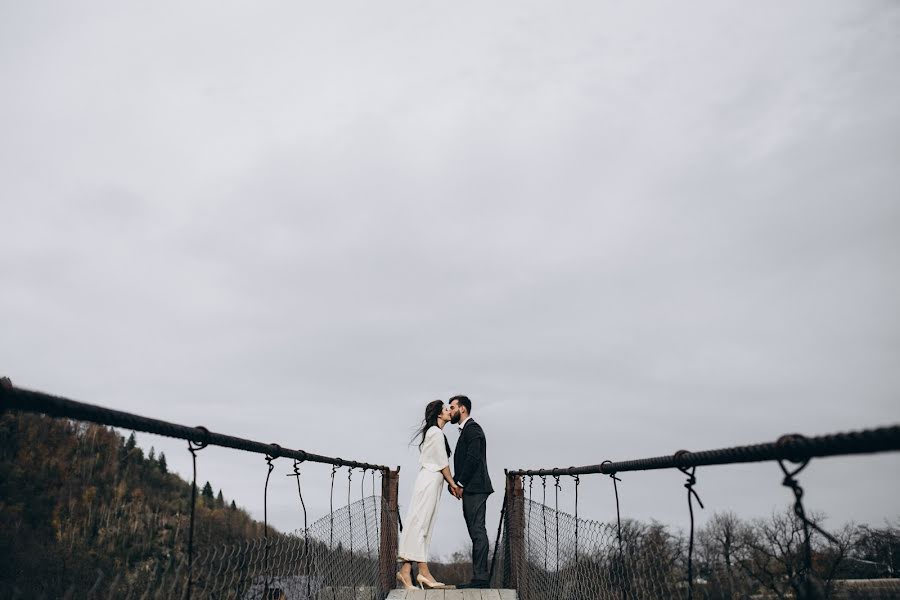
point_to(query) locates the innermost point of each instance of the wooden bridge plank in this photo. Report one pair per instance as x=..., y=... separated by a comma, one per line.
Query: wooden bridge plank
x=396, y=595
x=490, y=595
x=434, y=595
x=508, y=595
x=415, y=595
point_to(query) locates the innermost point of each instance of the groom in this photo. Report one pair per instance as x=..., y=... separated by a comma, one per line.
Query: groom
x=471, y=473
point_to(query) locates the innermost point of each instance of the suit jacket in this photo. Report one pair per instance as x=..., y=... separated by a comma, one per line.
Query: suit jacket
x=470, y=460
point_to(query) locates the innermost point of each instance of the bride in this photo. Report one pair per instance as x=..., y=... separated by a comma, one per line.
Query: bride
x=434, y=470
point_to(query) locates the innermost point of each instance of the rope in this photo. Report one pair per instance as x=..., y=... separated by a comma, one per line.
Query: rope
x=618, y=527
x=13, y=398
x=349, y=513
x=558, y=487
x=794, y=448
x=271, y=467
x=306, y=553
x=334, y=469
x=691, y=495
x=362, y=497
x=193, y=448
x=577, y=483
x=807, y=579
x=544, y=516
x=528, y=519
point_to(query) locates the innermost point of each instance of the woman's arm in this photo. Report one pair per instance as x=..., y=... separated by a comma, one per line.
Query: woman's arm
x=448, y=478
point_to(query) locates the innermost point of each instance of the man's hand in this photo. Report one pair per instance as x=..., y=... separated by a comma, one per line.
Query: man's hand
x=457, y=491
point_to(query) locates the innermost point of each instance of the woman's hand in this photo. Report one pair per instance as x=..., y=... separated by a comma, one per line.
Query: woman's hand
x=456, y=491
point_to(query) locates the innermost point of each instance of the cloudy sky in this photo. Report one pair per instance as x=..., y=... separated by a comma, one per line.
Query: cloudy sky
x=621, y=229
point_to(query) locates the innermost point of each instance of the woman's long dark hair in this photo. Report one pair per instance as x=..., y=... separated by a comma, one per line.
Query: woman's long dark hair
x=432, y=412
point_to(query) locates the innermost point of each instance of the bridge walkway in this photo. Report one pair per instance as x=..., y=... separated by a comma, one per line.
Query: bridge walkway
x=452, y=594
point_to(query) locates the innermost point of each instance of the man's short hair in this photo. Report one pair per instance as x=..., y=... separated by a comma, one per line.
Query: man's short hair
x=462, y=401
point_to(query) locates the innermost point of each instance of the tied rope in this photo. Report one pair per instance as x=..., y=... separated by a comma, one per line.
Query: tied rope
x=270, y=467
x=691, y=495
x=577, y=483
x=193, y=448
x=544, y=515
x=528, y=519
x=556, y=510
x=306, y=554
x=618, y=527
x=808, y=583
x=362, y=497
x=334, y=469
x=349, y=513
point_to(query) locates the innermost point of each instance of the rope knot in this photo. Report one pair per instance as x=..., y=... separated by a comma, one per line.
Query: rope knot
x=275, y=451
x=791, y=445
x=201, y=442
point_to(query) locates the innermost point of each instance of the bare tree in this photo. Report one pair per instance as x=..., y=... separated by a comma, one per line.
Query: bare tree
x=776, y=558
x=722, y=547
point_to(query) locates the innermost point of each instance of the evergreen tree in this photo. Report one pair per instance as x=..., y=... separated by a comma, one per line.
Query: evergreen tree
x=131, y=443
x=233, y=505
x=207, y=491
x=152, y=455
x=220, y=500
x=162, y=463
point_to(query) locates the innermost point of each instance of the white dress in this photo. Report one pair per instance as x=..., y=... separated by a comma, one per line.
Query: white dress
x=420, y=517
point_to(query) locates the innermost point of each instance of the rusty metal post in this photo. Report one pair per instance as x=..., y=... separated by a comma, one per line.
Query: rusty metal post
x=387, y=552
x=515, y=522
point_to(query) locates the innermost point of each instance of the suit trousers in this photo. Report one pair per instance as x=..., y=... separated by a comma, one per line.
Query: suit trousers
x=474, y=510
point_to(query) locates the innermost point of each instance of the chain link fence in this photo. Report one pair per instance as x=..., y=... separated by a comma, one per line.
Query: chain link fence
x=336, y=558
x=569, y=558
x=86, y=513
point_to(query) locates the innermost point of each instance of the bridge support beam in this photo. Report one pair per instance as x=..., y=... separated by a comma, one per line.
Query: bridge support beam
x=387, y=553
x=514, y=550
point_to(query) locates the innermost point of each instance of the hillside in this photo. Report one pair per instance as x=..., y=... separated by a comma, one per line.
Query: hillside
x=75, y=498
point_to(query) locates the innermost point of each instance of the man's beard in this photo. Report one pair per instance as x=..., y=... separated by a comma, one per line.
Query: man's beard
x=455, y=419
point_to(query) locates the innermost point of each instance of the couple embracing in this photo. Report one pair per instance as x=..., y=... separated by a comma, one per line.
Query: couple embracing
x=471, y=484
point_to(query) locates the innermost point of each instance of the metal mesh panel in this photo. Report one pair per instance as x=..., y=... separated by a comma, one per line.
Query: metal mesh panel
x=335, y=559
x=100, y=519
x=568, y=558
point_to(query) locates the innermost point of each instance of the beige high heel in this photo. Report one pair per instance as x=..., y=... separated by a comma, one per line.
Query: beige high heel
x=428, y=583
x=407, y=586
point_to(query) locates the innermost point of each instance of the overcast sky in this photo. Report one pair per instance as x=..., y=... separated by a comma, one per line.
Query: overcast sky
x=622, y=229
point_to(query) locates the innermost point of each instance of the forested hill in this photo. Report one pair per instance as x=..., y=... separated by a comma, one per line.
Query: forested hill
x=75, y=498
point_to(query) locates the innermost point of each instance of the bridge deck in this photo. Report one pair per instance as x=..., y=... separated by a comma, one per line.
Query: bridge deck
x=451, y=594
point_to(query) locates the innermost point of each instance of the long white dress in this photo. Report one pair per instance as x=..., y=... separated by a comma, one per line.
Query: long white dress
x=420, y=517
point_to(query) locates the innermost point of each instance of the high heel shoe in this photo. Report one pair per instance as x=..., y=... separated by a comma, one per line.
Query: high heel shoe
x=429, y=583
x=407, y=586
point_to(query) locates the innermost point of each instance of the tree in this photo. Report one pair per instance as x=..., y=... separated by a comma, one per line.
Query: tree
x=233, y=505
x=722, y=546
x=152, y=455
x=131, y=443
x=776, y=559
x=207, y=494
x=162, y=463
x=878, y=549
x=220, y=500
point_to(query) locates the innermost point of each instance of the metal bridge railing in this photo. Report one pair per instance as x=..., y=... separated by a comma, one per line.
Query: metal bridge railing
x=352, y=548
x=546, y=553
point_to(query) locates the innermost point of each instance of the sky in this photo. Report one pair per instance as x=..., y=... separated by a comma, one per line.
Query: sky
x=621, y=229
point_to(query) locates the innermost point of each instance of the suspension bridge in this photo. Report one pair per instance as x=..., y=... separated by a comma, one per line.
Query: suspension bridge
x=539, y=553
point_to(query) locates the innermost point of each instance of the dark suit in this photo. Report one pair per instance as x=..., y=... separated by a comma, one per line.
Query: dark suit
x=471, y=472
